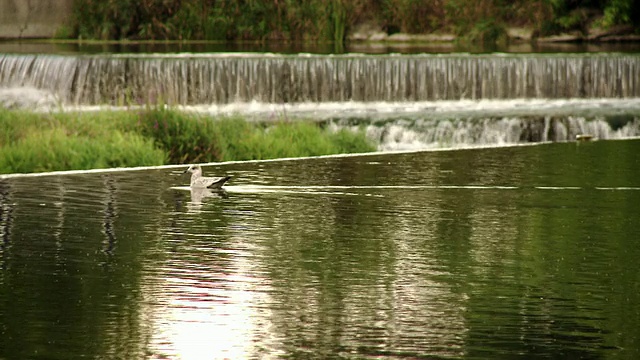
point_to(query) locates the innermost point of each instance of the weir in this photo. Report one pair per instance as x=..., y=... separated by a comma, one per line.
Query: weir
x=231, y=78
x=404, y=102
x=416, y=134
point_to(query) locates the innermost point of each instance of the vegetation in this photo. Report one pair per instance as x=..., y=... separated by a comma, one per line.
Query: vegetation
x=190, y=138
x=34, y=142
x=330, y=20
x=38, y=142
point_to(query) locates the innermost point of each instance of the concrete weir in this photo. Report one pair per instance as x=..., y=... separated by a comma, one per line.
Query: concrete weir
x=20, y=19
x=191, y=79
x=403, y=102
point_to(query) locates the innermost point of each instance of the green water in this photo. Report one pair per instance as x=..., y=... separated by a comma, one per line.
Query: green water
x=499, y=253
x=36, y=46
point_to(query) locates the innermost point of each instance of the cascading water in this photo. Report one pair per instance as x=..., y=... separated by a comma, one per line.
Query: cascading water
x=462, y=93
x=417, y=134
x=190, y=80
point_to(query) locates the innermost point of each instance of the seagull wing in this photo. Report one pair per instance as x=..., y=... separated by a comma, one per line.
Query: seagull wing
x=213, y=182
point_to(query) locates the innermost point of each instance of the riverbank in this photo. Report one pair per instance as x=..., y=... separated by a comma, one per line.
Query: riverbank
x=40, y=142
x=336, y=22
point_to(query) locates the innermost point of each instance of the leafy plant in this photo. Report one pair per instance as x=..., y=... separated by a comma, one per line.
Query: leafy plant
x=621, y=12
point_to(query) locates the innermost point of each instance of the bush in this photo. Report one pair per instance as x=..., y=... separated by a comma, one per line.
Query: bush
x=621, y=12
x=487, y=32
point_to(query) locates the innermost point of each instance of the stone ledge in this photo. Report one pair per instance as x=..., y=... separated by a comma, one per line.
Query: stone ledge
x=619, y=34
x=380, y=36
x=560, y=38
x=520, y=34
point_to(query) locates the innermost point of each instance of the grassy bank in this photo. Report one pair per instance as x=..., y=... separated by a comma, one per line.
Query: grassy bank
x=34, y=142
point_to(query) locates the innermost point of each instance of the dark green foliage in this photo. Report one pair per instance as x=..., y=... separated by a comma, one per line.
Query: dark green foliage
x=211, y=20
x=330, y=20
x=578, y=15
x=621, y=12
x=412, y=16
x=487, y=32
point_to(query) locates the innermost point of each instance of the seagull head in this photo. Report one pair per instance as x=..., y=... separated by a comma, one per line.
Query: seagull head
x=194, y=169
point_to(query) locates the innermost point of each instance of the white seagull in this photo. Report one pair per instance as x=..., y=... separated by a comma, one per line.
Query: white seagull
x=201, y=182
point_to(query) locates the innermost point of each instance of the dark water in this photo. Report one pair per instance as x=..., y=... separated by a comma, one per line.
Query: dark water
x=48, y=47
x=499, y=253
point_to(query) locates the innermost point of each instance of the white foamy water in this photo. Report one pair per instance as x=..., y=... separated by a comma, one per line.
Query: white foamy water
x=28, y=98
x=402, y=102
x=402, y=126
x=381, y=110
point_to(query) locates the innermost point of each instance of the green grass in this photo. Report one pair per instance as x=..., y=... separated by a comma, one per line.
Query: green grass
x=55, y=149
x=294, y=140
x=46, y=142
x=191, y=138
x=35, y=142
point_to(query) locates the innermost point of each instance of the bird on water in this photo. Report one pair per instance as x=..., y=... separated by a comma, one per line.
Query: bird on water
x=201, y=182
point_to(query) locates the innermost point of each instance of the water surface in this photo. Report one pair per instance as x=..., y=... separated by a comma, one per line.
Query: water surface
x=526, y=251
x=73, y=47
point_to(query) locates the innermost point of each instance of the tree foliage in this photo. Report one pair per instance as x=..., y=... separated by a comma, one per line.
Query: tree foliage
x=330, y=20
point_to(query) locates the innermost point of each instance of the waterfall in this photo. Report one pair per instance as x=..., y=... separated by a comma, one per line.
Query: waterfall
x=231, y=78
x=402, y=134
x=402, y=101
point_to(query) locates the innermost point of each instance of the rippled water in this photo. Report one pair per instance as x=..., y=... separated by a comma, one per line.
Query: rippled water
x=526, y=252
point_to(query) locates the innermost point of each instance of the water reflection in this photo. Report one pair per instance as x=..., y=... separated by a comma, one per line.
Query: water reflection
x=6, y=221
x=209, y=301
x=110, y=214
x=48, y=47
x=524, y=251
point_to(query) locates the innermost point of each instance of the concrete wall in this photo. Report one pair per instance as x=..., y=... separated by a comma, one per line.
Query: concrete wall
x=33, y=18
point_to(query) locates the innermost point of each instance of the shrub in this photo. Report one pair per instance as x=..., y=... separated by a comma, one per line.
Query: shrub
x=486, y=32
x=621, y=12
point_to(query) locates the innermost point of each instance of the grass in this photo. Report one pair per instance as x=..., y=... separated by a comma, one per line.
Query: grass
x=56, y=149
x=47, y=142
x=191, y=138
x=37, y=142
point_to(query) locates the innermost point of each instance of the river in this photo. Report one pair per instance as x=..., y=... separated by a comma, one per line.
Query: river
x=519, y=251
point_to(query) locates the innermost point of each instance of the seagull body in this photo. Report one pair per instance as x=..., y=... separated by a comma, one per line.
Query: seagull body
x=201, y=182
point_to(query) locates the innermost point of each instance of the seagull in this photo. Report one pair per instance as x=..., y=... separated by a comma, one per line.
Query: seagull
x=201, y=182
